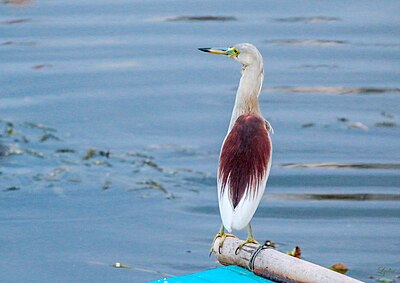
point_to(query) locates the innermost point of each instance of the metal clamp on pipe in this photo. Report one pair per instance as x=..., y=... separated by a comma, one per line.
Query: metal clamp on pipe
x=267, y=245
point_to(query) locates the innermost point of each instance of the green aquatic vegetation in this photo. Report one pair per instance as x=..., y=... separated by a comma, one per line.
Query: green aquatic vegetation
x=153, y=165
x=385, y=279
x=151, y=184
x=65, y=150
x=10, y=129
x=33, y=153
x=48, y=136
x=45, y=164
x=89, y=154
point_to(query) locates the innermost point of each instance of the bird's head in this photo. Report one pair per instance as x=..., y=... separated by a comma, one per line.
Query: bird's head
x=245, y=53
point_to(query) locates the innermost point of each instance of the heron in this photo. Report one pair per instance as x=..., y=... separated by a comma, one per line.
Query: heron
x=246, y=152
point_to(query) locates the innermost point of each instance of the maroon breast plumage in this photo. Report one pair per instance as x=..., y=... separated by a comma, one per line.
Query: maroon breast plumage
x=244, y=157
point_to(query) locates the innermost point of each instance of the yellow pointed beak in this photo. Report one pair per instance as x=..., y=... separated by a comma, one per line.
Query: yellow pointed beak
x=219, y=51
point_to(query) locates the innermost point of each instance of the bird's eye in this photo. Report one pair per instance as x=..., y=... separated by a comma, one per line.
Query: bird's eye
x=236, y=51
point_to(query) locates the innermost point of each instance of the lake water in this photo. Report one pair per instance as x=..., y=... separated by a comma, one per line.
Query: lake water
x=111, y=123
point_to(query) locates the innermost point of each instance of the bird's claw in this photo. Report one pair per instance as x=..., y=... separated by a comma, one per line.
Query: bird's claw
x=223, y=236
x=248, y=241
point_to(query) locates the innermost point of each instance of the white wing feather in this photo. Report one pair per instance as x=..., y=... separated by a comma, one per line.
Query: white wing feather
x=239, y=217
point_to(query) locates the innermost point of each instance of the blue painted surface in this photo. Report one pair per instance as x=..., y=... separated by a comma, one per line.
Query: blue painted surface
x=231, y=274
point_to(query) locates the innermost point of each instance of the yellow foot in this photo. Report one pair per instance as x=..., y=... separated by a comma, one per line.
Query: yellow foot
x=223, y=236
x=248, y=241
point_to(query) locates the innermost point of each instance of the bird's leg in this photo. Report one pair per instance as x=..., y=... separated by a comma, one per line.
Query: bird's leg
x=250, y=239
x=221, y=234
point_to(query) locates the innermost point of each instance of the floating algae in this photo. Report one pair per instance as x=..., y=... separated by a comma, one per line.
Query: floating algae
x=386, y=124
x=151, y=184
x=153, y=165
x=46, y=137
x=89, y=154
x=65, y=165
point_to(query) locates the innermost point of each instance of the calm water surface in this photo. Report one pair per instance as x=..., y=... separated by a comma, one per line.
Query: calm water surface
x=111, y=123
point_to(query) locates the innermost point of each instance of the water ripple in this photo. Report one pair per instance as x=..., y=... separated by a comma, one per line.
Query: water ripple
x=306, y=42
x=337, y=197
x=333, y=90
x=343, y=165
x=200, y=19
x=317, y=19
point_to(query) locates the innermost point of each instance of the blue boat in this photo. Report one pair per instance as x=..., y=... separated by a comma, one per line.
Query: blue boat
x=226, y=274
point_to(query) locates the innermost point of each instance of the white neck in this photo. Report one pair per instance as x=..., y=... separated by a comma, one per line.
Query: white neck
x=247, y=94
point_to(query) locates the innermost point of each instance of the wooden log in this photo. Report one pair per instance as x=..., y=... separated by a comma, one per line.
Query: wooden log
x=274, y=265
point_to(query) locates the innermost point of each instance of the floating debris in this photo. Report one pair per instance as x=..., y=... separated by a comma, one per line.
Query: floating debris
x=386, y=124
x=296, y=252
x=104, y=153
x=201, y=19
x=120, y=265
x=339, y=267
